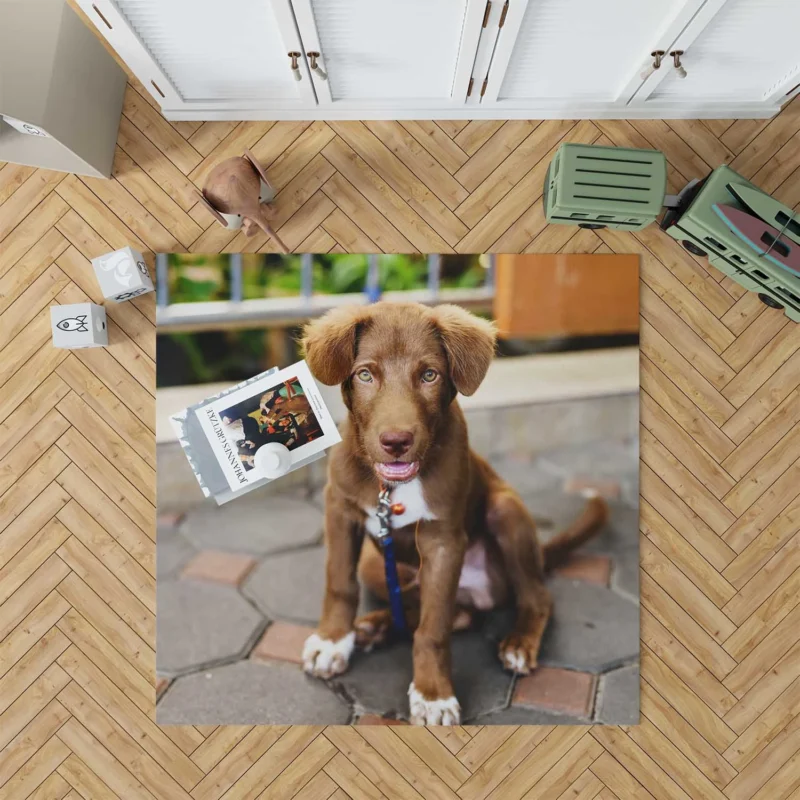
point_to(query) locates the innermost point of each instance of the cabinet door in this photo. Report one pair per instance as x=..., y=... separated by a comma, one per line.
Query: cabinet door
x=230, y=55
x=385, y=54
x=572, y=54
x=743, y=51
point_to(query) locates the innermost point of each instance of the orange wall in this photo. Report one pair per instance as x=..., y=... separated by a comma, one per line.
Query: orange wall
x=567, y=294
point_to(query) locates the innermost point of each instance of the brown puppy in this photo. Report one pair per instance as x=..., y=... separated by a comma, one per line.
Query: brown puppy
x=401, y=366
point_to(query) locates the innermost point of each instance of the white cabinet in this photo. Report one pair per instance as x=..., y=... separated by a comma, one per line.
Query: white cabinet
x=733, y=51
x=577, y=52
x=583, y=57
x=226, y=56
x=384, y=54
x=390, y=59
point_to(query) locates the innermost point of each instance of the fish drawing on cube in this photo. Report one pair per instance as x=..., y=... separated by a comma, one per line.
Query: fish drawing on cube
x=122, y=275
x=78, y=325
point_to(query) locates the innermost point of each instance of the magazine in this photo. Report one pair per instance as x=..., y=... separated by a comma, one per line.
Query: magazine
x=284, y=407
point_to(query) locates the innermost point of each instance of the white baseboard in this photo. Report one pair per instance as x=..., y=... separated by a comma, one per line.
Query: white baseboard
x=691, y=111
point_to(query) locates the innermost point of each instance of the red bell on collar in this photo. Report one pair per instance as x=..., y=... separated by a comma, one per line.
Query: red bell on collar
x=397, y=509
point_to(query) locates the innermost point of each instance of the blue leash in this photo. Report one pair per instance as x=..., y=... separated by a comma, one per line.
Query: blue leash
x=387, y=545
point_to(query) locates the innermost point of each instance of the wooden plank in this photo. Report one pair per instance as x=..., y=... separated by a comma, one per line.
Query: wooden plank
x=153, y=162
x=226, y=772
x=98, y=612
x=437, y=143
x=684, y=737
x=31, y=230
x=684, y=447
x=502, y=180
x=681, y=554
x=684, y=701
x=91, y=208
x=31, y=266
x=26, y=198
x=36, y=296
x=157, y=202
x=108, y=478
x=23, y=715
x=31, y=629
x=298, y=154
x=371, y=223
x=492, y=153
x=415, y=218
x=162, y=762
x=84, y=782
x=683, y=411
x=419, y=161
x=159, y=131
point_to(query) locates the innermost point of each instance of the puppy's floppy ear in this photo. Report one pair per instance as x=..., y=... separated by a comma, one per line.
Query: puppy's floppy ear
x=469, y=342
x=329, y=343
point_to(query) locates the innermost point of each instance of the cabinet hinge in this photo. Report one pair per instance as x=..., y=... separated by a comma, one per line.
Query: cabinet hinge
x=486, y=13
x=469, y=88
x=485, y=84
x=503, y=15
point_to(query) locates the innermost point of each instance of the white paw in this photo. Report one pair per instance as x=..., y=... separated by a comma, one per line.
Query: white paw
x=324, y=658
x=445, y=711
x=516, y=661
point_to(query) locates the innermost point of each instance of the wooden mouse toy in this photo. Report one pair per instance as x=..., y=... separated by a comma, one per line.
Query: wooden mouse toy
x=237, y=193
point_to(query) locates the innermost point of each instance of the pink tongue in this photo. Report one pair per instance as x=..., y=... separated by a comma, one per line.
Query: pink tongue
x=398, y=468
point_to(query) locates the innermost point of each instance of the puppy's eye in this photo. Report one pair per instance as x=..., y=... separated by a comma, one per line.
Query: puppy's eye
x=430, y=375
x=364, y=375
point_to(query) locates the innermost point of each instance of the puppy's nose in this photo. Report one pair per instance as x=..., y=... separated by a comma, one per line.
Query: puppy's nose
x=395, y=443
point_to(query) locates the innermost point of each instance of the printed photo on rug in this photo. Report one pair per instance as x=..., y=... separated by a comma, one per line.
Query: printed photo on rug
x=282, y=414
x=276, y=409
x=462, y=546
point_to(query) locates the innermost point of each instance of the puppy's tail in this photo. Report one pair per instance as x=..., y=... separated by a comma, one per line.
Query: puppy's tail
x=593, y=517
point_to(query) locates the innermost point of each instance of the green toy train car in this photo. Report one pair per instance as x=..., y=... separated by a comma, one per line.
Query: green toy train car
x=605, y=187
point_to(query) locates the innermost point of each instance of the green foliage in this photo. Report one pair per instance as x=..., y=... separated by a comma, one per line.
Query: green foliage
x=233, y=355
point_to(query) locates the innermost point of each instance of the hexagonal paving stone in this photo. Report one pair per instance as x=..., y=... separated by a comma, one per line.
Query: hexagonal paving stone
x=378, y=681
x=173, y=552
x=592, y=629
x=290, y=585
x=199, y=624
x=618, y=697
x=251, y=693
x=256, y=523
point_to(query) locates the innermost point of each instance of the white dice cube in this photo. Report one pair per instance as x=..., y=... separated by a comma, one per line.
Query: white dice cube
x=122, y=274
x=78, y=325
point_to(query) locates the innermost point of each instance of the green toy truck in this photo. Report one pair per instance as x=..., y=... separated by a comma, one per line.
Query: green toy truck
x=696, y=225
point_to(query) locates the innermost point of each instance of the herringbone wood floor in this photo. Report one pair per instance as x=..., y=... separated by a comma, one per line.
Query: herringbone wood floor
x=720, y=471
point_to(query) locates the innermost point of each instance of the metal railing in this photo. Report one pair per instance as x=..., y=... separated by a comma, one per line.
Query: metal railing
x=237, y=312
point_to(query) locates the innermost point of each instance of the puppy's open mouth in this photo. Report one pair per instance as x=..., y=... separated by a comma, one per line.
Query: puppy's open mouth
x=397, y=471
